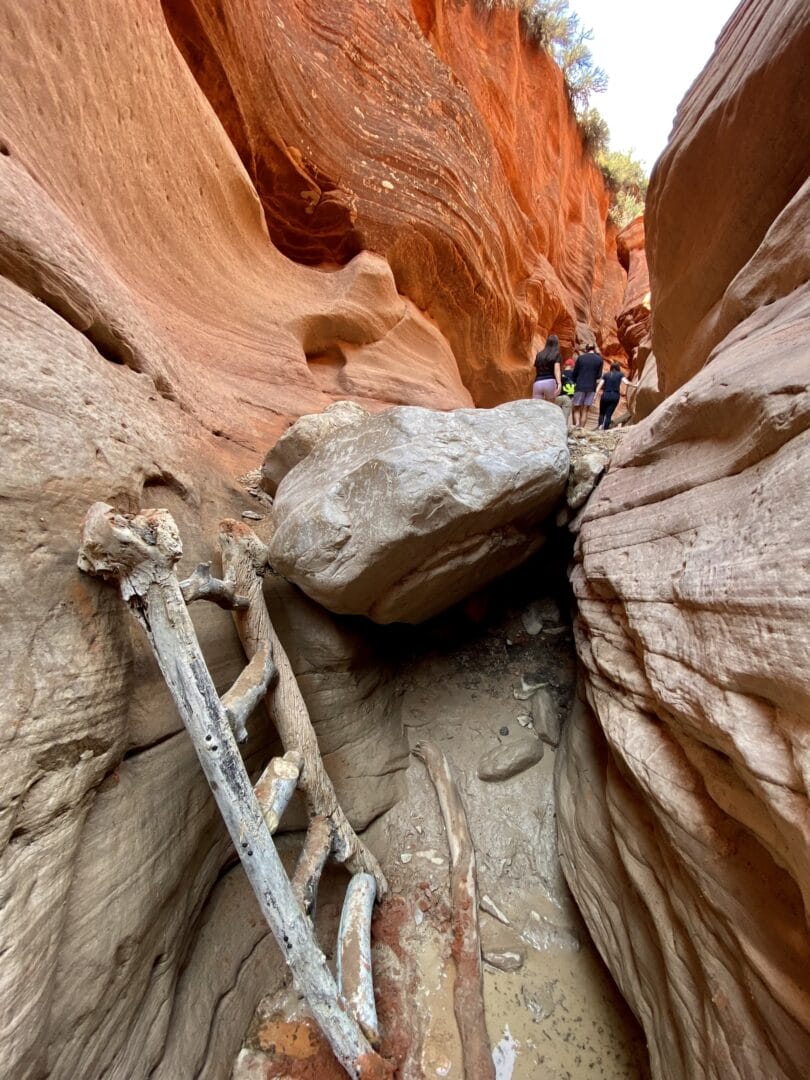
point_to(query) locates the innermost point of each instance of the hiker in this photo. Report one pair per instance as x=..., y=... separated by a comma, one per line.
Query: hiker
x=611, y=391
x=547, y=371
x=587, y=373
x=568, y=377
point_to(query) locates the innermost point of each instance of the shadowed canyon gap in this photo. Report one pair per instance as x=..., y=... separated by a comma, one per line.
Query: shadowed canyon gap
x=218, y=217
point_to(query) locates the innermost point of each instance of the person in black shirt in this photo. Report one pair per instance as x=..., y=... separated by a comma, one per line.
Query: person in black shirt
x=547, y=371
x=587, y=373
x=611, y=391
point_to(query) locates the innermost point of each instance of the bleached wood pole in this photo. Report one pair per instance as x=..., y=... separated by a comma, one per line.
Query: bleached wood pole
x=244, y=563
x=468, y=995
x=276, y=785
x=354, y=955
x=139, y=552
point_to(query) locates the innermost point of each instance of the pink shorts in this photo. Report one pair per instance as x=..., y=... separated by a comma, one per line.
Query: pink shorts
x=544, y=390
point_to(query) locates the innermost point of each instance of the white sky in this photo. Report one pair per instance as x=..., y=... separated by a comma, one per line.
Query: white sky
x=652, y=51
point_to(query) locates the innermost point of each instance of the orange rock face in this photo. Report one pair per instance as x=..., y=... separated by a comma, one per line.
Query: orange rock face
x=432, y=135
x=633, y=320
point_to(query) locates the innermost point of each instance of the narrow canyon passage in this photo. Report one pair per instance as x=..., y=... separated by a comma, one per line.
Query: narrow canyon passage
x=330, y=241
x=484, y=682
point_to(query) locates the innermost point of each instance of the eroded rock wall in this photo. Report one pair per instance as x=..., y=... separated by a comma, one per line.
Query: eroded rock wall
x=633, y=320
x=684, y=775
x=433, y=134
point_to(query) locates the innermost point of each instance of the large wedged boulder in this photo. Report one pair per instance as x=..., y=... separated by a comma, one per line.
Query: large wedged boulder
x=400, y=517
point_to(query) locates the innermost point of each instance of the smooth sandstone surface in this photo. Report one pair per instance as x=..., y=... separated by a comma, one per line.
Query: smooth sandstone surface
x=513, y=757
x=737, y=156
x=683, y=777
x=407, y=513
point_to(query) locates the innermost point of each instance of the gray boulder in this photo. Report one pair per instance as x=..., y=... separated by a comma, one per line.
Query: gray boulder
x=411, y=510
x=305, y=434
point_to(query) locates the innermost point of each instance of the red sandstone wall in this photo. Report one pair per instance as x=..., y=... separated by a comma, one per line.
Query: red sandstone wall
x=434, y=136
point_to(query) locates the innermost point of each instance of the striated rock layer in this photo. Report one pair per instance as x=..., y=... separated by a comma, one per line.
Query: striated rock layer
x=684, y=775
x=432, y=134
x=737, y=156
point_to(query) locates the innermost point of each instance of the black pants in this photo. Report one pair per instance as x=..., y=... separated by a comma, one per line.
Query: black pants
x=607, y=407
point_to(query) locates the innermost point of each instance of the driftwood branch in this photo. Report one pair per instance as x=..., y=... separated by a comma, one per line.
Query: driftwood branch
x=276, y=785
x=354, y=955
x=468, y=998
x=140, y=551
x=244, y=562
x=316, y=850
x=202, y=586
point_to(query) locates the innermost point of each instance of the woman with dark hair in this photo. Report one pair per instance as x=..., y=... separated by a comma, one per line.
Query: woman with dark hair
x=547, y=371
x=611, y=391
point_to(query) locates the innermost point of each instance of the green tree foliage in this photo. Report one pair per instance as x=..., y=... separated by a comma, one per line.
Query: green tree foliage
x=553, y=26
x=594, y=130
x=556, y=28
x=624, y=208
x=627, y=182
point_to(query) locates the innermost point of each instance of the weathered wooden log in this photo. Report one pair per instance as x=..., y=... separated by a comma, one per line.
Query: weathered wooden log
x=276, y=785
x=244, y=562
x=316, y=850
x=140, y=551
x=249, y=690
x=468, y=995
x=354, y=974
x=202, y=586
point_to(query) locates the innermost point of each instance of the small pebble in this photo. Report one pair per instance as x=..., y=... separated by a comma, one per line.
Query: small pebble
x=504, y=730
x=506, y=959
x=405, y=857
x=251, y=515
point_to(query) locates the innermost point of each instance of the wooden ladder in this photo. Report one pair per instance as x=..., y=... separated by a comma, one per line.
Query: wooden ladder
x=139, y=552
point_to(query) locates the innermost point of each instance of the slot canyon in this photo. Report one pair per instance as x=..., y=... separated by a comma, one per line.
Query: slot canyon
x=286, y=263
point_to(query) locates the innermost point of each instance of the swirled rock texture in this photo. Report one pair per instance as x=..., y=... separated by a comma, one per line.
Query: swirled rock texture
x=433, y=134
x=684, y=775
x=405, y=514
